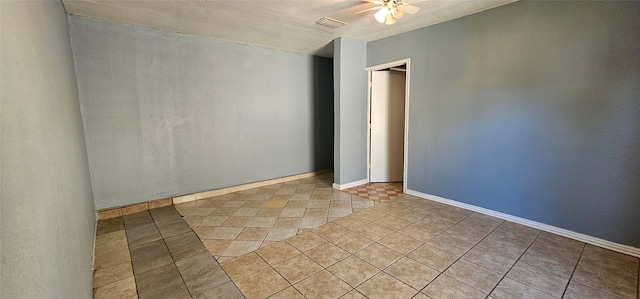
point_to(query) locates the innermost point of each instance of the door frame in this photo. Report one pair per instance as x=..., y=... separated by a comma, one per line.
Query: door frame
x=380, y=67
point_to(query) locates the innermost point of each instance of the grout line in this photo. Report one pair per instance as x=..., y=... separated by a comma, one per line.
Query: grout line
x=281, y=275
x=171, y=255
x=521, y=255
x=463, y=256
x=574, y=270
x=126, y=236
x=174, y=261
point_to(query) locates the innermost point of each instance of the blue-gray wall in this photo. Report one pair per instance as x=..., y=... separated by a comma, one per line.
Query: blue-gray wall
x=531, y=109
x=167, y=114
x=350, y=104
x=47, y=216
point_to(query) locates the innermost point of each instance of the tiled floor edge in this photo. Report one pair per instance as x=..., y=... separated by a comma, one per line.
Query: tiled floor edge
x=227, y=190
x=132, y=209
x=141, y=207
x=617, y=247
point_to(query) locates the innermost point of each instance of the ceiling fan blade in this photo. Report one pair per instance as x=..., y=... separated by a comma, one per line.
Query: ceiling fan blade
x=368, y=9
x=410, y=9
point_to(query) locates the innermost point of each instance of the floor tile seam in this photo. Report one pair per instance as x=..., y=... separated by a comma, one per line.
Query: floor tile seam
x=325, y=238
x=440, y=273
x=597, y=288
x=461, y=258
x=385, y=246
x=326, y=268
x=474, y=228
x=622, y=274
x=289, y=282
x=112, y=266
x=389, y=266
x=617, y=263
x=369, y=262
x=190, y=247
x=402, y=281
x=566, y=287
x=483, y=268
x=431, y=213
x=355, y=287
x=562, y=260
x=382, y=271
x=479, y=246
x=536, y=288
x=184, y=282
x=368, y=238
x=111, y=251
x=269, y=266
x=464, y=283
x=543, y=269
x=437, y=235
x=349, y=255
x=354, y=290
x=110, y=282
x=135, y=276
x=454, y=223
x=301, y=292
x=135, y=280
x=487, y=295
x=517, y=260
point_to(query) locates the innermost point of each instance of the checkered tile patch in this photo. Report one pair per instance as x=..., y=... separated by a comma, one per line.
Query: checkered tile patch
x=377, y=191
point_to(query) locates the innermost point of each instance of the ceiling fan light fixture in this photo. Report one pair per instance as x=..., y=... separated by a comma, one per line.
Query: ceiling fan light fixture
x=382, y=14
x=390, y=20
x=397, y=13
x=390, y=11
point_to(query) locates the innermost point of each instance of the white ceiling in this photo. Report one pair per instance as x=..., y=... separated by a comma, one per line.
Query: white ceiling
x=277, y=24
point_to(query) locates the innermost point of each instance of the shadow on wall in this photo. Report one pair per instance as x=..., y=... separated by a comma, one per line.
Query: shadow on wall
x=323, y=121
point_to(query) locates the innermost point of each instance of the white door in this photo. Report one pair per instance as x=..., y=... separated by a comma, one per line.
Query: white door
x=387, y=126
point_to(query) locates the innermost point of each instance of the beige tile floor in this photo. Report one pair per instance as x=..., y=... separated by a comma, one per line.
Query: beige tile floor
x=402, y=248
x=234, y=224
x=415, y=248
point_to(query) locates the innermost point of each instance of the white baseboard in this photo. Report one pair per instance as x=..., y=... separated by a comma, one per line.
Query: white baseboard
x=227, y=190
x=349, y=185
x=626, y=249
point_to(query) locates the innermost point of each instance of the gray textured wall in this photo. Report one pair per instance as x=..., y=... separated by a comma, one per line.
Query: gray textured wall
x=531, y=109
x=350, y=104
x=167, y=114
x=47, y=217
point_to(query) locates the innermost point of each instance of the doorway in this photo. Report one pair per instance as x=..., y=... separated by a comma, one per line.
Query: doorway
x=387, y=122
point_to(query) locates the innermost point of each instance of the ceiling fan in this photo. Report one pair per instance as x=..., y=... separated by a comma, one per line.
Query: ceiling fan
x=389, y=11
